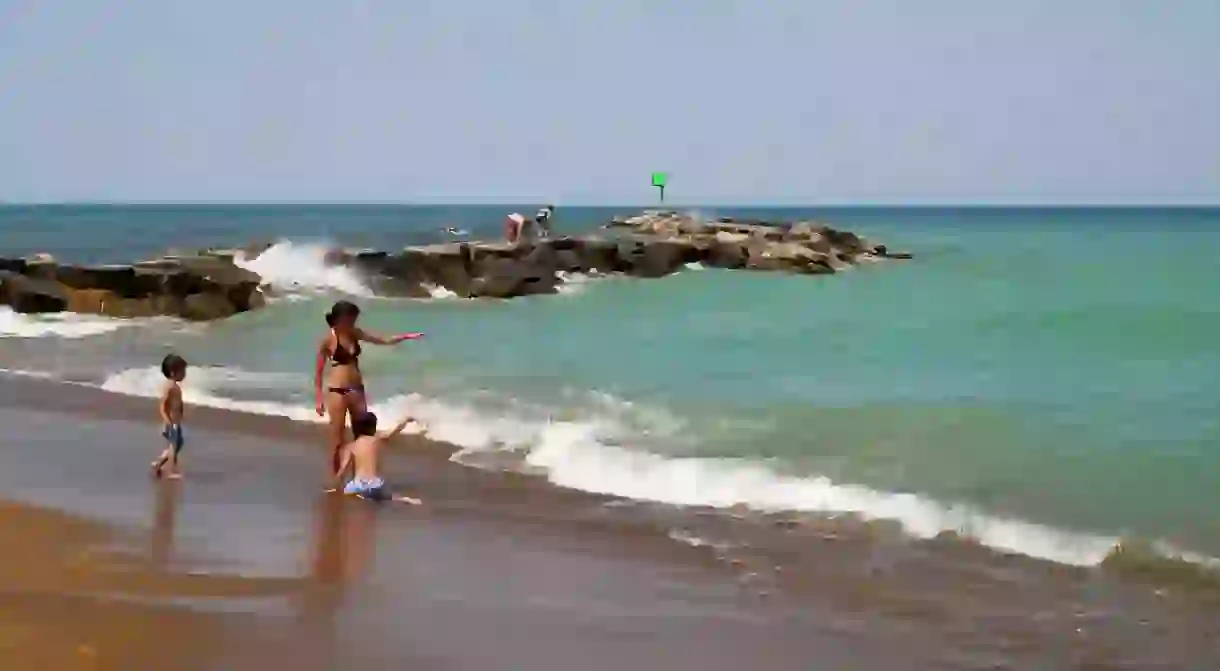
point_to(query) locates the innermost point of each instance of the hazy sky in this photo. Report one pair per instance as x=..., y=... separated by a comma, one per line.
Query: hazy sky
x=809, y=101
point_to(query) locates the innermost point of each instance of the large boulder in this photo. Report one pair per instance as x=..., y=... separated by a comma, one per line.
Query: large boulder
x=691, y=226
x=722, y=253
x=541, y=257
x=208, y=306
x=197, y=287
x=218, y=269
x=102, y=302
x=599, y=255
x=569, y=261
x=119, y=280
x=173, y=280
x=449, y=265
x=506, y=278
x=25, y=294
x=486, y=251
x=245, y=297
x=655, y=257
x=846, y=241
x=13, y=265
x=788, y=256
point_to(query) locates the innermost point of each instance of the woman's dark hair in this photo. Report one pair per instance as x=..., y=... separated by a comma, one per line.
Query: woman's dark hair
x=171, y=364
x=342, y=309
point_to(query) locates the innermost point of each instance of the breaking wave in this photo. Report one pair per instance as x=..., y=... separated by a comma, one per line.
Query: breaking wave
x=303, y=267
x=601, y=446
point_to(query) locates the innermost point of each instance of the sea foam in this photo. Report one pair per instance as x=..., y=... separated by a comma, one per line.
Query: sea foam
x=592, y=450
x=63, y=324
x=302, y=267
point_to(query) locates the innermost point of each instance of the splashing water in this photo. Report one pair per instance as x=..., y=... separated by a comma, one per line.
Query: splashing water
x=299, y=266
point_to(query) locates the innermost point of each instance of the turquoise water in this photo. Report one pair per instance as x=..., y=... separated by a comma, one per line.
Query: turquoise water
x=1059, y=367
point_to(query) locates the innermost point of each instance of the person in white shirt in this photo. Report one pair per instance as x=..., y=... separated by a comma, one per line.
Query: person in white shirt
x=543, y=220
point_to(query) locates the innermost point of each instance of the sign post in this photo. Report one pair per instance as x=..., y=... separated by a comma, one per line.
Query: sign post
x=658, y=180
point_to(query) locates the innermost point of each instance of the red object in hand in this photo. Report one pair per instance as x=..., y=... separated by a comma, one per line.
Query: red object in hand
x=409, y=336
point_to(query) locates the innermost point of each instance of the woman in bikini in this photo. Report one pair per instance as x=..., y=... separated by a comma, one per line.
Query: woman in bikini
x=342, y=395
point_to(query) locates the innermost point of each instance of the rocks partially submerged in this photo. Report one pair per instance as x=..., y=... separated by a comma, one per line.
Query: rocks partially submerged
x=209, y=285
x=200, y=287
x=653, y=244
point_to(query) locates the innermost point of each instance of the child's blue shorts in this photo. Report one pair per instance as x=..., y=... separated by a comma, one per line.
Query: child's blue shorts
x=172, y=433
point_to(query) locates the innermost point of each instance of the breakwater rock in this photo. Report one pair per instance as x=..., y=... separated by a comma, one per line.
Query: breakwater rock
x=209, y=285
x=653, y=244
x=195, y=287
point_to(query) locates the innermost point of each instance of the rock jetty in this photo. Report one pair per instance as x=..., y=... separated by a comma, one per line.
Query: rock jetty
x=653, y=244
x=199, y=287
x=209, y=285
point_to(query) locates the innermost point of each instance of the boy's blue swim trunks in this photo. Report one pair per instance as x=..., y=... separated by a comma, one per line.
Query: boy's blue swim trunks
x=172, y=433
x=373, y=488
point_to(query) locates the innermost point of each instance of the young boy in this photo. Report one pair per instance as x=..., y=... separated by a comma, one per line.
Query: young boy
x=366, y=483
x=170, y=406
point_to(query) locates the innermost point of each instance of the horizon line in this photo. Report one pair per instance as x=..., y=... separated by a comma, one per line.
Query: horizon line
x=648, y=206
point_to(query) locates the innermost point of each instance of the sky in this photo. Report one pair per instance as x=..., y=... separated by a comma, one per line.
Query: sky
x=578, y=102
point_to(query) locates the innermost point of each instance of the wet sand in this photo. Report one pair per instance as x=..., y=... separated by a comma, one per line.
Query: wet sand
x=74, y=594
x=245, y=562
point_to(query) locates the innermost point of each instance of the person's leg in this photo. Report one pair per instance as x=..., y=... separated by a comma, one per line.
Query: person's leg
x=376, y=489
x=160, y=461
x=174, y=435
x=169, y=456
x=345, y=460
x=336, y=414
x=357, y=403
x=356, y=406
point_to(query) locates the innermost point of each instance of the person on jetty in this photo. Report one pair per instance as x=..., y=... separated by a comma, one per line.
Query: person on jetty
x=343, y=394
x=514, y=228
x=542, y=220
x=367, y=483
x=171, y=407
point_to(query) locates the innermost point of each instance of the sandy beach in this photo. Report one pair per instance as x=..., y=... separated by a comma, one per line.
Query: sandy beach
x=246, y=562
x=812, y=337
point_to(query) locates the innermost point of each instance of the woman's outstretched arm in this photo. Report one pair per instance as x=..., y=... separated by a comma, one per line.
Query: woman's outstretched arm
x=382, y=340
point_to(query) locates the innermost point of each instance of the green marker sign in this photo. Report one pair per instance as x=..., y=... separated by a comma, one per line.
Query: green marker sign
x=658, y=181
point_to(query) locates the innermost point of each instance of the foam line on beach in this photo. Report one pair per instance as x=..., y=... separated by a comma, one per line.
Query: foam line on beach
x=593, y=452
x=58, y=324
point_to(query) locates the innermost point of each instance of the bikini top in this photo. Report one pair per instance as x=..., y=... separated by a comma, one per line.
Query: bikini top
x=342, y=356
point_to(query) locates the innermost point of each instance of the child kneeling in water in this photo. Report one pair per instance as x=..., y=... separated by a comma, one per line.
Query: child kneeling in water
x=366, y=483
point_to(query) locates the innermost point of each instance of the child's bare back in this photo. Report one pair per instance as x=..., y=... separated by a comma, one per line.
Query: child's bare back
x=362, y=452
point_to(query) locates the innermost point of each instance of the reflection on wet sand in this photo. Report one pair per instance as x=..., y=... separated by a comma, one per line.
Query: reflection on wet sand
x=166, y=500
x=71, y=596
x=343, y=536
x=340, y=553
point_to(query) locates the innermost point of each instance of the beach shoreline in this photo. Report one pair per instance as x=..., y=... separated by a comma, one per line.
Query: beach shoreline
x=103, y=497
x=77, y=593
x=808, y=585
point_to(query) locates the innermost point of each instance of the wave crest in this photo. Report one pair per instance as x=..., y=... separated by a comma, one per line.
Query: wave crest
x=61, y=324
x=303, y=267
x=600, y=446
